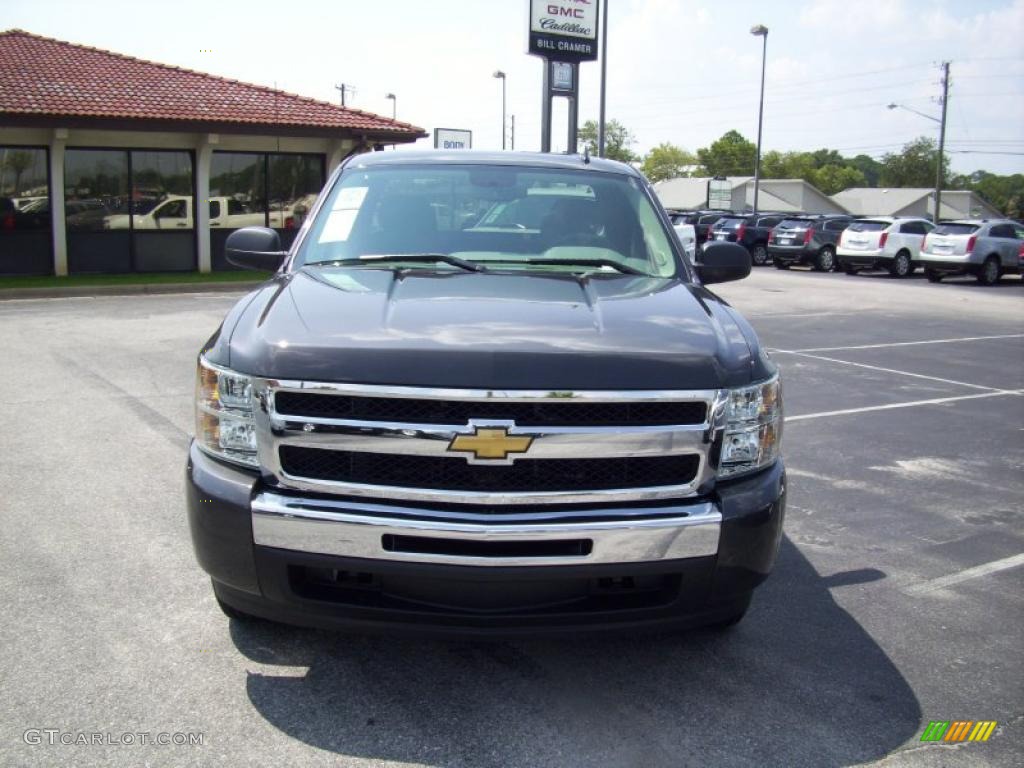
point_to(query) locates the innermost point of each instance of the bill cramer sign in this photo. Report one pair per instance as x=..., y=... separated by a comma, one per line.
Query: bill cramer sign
x=564, y=30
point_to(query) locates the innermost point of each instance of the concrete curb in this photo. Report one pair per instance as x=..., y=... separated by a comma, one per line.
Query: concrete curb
x=55, y=292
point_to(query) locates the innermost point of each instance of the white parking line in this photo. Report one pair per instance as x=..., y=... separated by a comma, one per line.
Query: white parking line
x=47, y=298
x=796, y=314
x=942, y=582
x=911, y=404
x=910, y=343
x=886, y=370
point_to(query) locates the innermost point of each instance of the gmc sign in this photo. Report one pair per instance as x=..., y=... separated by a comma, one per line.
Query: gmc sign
x=564, y=30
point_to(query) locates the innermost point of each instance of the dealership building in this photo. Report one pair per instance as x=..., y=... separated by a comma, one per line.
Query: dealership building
x=104, y=159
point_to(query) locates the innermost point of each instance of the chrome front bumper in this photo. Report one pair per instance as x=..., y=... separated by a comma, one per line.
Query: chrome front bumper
x=352, y=529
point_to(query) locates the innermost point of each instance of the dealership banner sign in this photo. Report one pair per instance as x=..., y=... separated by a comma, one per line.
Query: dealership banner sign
x=564, y=30
x=452, y=138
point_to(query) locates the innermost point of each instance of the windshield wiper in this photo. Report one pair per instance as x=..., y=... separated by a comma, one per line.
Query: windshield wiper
x=426, y=258
x=618, y=266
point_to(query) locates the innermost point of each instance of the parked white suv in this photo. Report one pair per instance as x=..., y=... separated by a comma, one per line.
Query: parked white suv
x=882, y=242
x=688, y=238
x=985, y=248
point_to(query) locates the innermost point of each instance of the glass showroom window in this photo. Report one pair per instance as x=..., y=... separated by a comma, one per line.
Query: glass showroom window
x=161, y=190
x=24, y=212
x=95, y=188
x=261, y=189
x=238, y=183
x=129, y=211
x=294, y=181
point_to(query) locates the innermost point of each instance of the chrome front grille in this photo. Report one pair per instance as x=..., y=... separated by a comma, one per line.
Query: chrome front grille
x=537, y=413
x=400, y=443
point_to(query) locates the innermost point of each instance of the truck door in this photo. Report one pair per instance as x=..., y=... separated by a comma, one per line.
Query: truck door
x=173, y=214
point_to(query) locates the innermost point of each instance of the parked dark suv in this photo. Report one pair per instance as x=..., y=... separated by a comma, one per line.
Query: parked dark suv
x=702, y=221
x=807, y=240
x=750, y=231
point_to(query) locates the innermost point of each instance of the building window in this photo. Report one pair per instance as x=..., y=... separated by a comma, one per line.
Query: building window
x=267, y=189
x=24, y=212
x=129, y=210
x=238, y=182
x=95, y=190
x=23, y=188
x=293, y=183
x=161, y=190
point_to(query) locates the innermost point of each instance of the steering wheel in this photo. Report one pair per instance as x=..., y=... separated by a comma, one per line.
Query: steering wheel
x=583, y=239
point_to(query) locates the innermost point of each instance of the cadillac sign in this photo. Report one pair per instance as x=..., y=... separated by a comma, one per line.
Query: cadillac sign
x=564, y=30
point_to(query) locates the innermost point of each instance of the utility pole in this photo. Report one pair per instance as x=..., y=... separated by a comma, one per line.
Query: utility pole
x=512, y=138
x=343, y=88
x=942, y=142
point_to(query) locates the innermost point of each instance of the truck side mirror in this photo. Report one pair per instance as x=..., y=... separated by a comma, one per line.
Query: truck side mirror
x=722, y=262
x=255, y=248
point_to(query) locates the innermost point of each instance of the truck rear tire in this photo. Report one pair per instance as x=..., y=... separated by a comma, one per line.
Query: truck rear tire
x=759, y=255
x=933, y=275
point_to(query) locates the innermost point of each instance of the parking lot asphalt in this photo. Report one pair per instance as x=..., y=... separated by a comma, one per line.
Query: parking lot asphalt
x=897, y=598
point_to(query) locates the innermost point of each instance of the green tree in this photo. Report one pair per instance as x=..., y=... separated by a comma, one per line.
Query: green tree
x=913, y=166
x=667, y=161
x=871, y=168
x=788, y=165
x=1004, y=192
x=730, y=155
x=18, y=163
x=835, y=178
x=617, y=140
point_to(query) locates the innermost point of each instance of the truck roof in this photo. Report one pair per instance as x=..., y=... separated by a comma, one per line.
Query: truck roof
x=477, y=157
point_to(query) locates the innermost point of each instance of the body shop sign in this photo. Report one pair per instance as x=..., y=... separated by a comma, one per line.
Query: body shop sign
x=452, y=138
x=564, y=30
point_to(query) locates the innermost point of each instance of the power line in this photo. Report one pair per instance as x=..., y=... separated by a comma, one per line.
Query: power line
x=982, y=152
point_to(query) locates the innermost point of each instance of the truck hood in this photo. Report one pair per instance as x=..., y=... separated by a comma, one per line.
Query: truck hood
x=490, y=331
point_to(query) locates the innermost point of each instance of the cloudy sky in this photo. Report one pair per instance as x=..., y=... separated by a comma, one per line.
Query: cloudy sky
x=681, y=71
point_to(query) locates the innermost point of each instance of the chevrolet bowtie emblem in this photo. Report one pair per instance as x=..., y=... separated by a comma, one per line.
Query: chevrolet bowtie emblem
x=490, y=443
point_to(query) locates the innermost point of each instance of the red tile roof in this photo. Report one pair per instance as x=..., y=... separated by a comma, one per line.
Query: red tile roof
x=45, y=78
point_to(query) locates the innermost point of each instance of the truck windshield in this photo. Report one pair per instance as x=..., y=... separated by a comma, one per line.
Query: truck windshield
x=500, y=216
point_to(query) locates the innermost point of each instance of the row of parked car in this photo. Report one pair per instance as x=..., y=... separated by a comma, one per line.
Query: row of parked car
x=985, y=248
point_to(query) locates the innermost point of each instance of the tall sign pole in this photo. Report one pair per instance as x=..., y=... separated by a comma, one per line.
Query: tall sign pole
x=562, y=33
x=604, y=76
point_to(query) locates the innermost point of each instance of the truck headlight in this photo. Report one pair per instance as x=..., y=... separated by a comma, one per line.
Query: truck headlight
x=753, y=428
x=225, y=426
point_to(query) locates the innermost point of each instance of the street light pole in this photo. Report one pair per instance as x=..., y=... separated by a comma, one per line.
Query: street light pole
x=942, y=142
x=940, y=154
x=501, y=76
x=394, y=105
x=760, y=30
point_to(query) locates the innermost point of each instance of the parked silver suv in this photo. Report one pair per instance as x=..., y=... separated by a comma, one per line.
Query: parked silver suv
x=985, y=248
x=882, y=242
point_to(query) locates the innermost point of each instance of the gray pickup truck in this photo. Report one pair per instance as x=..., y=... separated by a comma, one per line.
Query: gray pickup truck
x=485, y=394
